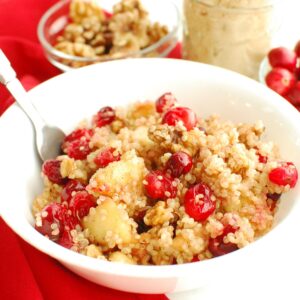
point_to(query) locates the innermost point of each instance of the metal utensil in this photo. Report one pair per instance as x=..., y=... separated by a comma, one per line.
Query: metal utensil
x=48, y=138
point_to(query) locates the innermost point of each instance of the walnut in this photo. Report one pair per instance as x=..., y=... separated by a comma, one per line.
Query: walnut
x=158, y=214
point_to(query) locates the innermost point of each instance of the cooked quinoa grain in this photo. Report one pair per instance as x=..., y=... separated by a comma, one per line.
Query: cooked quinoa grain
x=133, y=188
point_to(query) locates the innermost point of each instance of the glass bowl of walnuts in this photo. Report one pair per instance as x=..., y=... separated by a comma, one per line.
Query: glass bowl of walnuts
x=76, y=33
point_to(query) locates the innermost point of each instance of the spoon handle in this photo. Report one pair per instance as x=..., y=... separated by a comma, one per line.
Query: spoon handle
x=14, y=86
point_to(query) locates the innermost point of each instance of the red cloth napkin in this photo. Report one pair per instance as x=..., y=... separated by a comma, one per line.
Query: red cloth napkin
x=26, y=273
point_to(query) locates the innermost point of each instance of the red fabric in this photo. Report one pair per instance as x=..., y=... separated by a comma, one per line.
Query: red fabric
x=26, y=273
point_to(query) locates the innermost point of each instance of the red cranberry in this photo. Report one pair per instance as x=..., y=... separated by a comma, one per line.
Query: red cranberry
x=284, y=175
x=165, y=102
x=52, y=221
x=229, y=229
x=105, y=116
x=297, y=49
x=76, y=144
x=274, y=196
x=198, y=202
x=184, y=114
x=78, y=134
x=81, y=203
x=51, y=168
x=179, y=163
x=159, y=186
x=139, y=219
x=262, y=159
x=106, y=156
x=70, y=222
x=280, y=80
x=195, y=259
x=217, y=247
x=283, y=57
x=297, y=73
x=78, y=149
x=293, y=95
x=66, y=240
x=69, y=188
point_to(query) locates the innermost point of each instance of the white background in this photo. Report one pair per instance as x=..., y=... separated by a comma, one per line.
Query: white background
x=282, y=281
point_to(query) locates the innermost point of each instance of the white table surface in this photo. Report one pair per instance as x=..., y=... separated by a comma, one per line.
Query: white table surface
x=282, y=280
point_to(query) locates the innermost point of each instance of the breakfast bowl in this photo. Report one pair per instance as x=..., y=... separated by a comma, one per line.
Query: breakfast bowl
x=72, y=36
x=68, y=98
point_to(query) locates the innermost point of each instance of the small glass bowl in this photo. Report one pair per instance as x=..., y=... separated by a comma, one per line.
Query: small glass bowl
x=56, y=18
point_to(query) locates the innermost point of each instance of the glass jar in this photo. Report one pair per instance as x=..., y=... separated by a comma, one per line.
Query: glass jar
x=233, y=34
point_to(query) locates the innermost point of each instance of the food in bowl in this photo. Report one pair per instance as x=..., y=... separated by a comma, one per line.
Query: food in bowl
x=95, y=33
x=284, y=76
x=154, y=184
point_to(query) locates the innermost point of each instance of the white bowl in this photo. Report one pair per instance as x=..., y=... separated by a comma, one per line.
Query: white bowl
x=68, y=98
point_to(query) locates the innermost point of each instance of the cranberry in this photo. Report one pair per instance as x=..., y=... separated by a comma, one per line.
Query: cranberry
x=286, y=174
x=78, y=134
x=274, y=196
x=51, y=168
x=79, y=149
x=297, y=49
x=81, y=203
x=139, y=219
x=165, y=102
x=283, y=57
x=70, y=222
x=69, y=188
x=52, y=221
x=179, y=163
x=195, y=259
x=262, y=159
x=297, y=73
x=66, y=240
x=159, y=186
x=184, y=114
x=198, y=202
x=294, y=94
x=105, y=116
x=280, y=80
x=106, y=156
x=217, y=247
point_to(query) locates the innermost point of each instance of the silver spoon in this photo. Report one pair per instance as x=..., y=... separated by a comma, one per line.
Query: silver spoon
x=48, y=138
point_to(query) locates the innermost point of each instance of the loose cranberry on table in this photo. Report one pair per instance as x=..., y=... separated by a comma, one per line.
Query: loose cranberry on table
x=52, y=221
x=280, y=80
x=159, y=186
x=286, y=174
x=105, y=116
x=183, y=114
x=293, y=95
x=283, y=57
x=198, y=202
x=165, y=102
x=81, y=203
x=179, y=163
x=68, y=190
x=106, y=156
x=51, y=168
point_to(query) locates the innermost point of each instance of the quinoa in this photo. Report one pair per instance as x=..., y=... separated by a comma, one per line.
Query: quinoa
x=123, y=201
